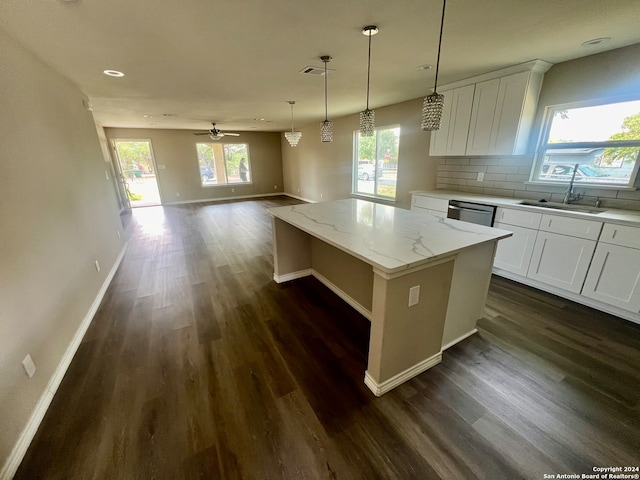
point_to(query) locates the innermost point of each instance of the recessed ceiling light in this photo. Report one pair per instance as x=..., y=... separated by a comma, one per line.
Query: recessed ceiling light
x=148, y=116
x=113, y=73
x=424, y=67
x=595, y=41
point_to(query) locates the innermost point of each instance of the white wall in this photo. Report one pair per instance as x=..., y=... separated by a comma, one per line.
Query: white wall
x=58, y=215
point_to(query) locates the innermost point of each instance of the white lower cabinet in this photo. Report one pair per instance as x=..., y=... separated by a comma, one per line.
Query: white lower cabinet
x=561, y=260
x=614, y=275
x=513, y=254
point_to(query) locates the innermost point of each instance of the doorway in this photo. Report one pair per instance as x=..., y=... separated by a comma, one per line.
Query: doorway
x=138, y=172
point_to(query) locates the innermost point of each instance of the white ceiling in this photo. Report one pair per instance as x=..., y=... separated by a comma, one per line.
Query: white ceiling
x=235, y=61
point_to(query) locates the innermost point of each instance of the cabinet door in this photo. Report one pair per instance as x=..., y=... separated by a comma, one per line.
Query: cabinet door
x=514, y=253
x=508, y=113
x=560, y=260
x=614, y=277
x=451, y=139
x=461, y=103
x=482, y=115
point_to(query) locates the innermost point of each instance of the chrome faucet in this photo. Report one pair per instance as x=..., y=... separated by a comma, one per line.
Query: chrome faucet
x=569, y=196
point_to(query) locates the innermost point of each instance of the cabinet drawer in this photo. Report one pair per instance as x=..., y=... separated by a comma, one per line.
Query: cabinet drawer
x=622, y=235
x=574, y=227
x=438, y=204
x=519, y=218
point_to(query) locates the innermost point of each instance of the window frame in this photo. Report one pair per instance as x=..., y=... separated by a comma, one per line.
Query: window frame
x=355, y=164
x=544, y=145
x=226, y=170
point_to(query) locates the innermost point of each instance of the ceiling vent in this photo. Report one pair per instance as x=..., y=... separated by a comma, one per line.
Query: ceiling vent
x=315, y=71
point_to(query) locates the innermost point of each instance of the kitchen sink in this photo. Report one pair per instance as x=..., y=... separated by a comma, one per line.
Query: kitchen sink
x=564, y=206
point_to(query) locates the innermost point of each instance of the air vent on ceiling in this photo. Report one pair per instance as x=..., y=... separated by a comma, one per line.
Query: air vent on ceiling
x=316, y=71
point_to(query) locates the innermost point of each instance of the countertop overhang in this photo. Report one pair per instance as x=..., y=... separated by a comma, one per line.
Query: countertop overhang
x=390, y=239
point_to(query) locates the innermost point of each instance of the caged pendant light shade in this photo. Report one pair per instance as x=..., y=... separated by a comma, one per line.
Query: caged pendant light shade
x=292, y=137
x=368, y=117
x=434, y=103
x=326, y=127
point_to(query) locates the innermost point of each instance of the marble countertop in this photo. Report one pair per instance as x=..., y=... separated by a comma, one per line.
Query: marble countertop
x=388, y=238
x=627, y=217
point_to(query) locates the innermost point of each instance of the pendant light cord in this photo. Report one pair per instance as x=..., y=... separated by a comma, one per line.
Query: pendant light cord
x=369, y=69
x=435, y=86
x=291, y=103
x=325, y=91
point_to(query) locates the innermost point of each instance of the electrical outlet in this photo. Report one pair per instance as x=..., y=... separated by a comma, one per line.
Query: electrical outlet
x=322, y=195
x=97, y=264
x=298, y=190
x=275, y=187
x=233, y=190
x=414, y=295
x=29, y=366
x=480, y=177
x=178, y=194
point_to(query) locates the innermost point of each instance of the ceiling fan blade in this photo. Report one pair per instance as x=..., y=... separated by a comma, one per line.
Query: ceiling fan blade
x=204, y=133
x=232, y=134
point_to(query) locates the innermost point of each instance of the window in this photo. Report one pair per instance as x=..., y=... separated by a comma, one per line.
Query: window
x=223, y=163
x=598, y=143
x=375, y=163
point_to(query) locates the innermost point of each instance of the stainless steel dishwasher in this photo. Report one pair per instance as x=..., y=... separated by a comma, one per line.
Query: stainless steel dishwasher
x=471, y=212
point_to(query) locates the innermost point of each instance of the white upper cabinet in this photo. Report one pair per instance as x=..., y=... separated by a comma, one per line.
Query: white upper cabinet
x=499, y=116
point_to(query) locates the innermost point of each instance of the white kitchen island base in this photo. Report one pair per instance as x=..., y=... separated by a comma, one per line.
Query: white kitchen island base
x=372, y=255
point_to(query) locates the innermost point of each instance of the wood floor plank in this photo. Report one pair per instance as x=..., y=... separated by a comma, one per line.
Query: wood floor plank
x=197, y=365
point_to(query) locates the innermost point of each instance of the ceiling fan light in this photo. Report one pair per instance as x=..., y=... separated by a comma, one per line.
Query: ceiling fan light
x=326, y=131
x=215, y=138
x=432, y=112
x=293, y=138
x=367, y=123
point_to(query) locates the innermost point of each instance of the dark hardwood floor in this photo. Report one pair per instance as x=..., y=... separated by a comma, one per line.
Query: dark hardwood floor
x=198, y=366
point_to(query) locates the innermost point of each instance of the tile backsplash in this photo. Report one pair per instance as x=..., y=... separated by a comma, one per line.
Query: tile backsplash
x=507, y=177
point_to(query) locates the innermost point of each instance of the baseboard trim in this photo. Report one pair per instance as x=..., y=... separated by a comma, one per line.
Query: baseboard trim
x=24, y=440
x=308, y=200
x=459, y=339
x=379, y=389
x=221, y=199
x=287, y=277
x=343, y=295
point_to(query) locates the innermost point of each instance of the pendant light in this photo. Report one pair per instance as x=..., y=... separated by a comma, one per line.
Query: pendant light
x=368, y=117
x=433, y=104
x=326, y=127
x=292, y=137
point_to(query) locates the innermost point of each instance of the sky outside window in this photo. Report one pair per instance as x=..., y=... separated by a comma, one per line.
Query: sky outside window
x=591, y=124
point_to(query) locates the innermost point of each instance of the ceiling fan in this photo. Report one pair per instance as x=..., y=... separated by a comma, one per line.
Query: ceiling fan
x=216, y=134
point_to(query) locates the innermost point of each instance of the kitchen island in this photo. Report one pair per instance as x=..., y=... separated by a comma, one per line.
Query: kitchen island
x=421, y=280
